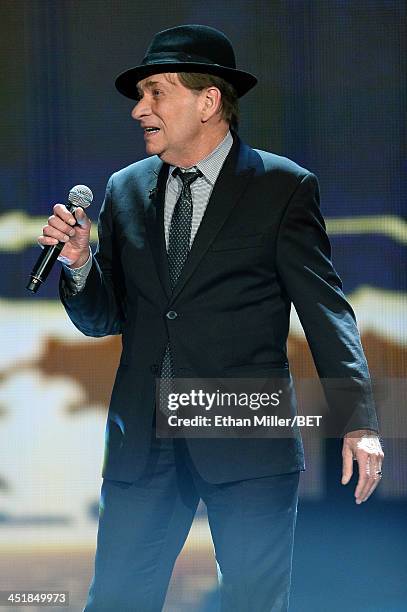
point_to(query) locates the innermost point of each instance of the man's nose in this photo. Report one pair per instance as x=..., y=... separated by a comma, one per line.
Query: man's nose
x=141, y=109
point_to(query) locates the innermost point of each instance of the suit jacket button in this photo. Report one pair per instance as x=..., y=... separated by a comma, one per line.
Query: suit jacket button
x=171, y=314
x=154, y=368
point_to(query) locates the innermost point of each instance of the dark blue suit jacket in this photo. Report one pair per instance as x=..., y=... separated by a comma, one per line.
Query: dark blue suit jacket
x=261, y=246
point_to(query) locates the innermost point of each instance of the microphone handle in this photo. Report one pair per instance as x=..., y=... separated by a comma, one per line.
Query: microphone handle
x=46, y=260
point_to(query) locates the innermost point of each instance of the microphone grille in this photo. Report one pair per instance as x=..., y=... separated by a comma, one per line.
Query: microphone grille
x=80, y=195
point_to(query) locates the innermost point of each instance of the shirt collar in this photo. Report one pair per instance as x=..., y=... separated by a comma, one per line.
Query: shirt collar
x=211, y=165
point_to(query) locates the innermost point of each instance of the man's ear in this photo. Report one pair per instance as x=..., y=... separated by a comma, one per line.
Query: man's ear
x=212, y=101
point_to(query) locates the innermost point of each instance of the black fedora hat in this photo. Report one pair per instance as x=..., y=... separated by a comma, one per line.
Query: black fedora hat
x=187, y=48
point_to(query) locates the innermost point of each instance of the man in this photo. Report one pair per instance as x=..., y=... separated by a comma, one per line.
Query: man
x=202, y=248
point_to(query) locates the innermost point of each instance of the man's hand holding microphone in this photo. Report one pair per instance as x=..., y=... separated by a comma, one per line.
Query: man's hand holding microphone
x=73, y=230
x=66, y=236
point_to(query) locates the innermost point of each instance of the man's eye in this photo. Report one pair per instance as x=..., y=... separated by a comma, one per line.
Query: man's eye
x=156, y=92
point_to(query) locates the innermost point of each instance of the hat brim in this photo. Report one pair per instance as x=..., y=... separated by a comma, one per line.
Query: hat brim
x=126, y=82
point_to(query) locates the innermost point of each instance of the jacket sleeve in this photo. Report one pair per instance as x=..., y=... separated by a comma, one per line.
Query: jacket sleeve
x=98, y=309
x=304, y=264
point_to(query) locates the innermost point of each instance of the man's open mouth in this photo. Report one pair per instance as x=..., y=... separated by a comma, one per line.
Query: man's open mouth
x=151, y=130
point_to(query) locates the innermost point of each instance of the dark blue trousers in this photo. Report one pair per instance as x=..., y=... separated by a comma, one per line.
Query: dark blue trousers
x=143, y=526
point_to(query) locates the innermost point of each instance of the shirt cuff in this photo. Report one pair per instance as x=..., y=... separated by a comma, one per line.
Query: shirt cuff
x=76, y=277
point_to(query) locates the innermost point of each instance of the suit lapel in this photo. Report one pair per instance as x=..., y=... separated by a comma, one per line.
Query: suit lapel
x=229, y=187
x=154, y=217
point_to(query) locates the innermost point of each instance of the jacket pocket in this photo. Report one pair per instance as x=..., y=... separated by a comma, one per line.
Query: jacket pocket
x=272, y=368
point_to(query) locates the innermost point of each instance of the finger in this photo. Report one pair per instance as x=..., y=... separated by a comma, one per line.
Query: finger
x=347, y=464
x=361, y=457
x=375, y=477
x=373, y=486
x=60, y=225
x=82, y=218
x=370, y=483
x=366, y=489
x=60, y=210
x=52, y=232
x=46, y=241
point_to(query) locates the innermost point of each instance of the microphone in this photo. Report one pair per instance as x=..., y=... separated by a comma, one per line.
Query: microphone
x=79, y=196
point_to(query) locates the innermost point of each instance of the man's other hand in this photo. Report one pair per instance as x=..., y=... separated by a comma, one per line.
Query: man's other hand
x=363, y=446
x=60, y=228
